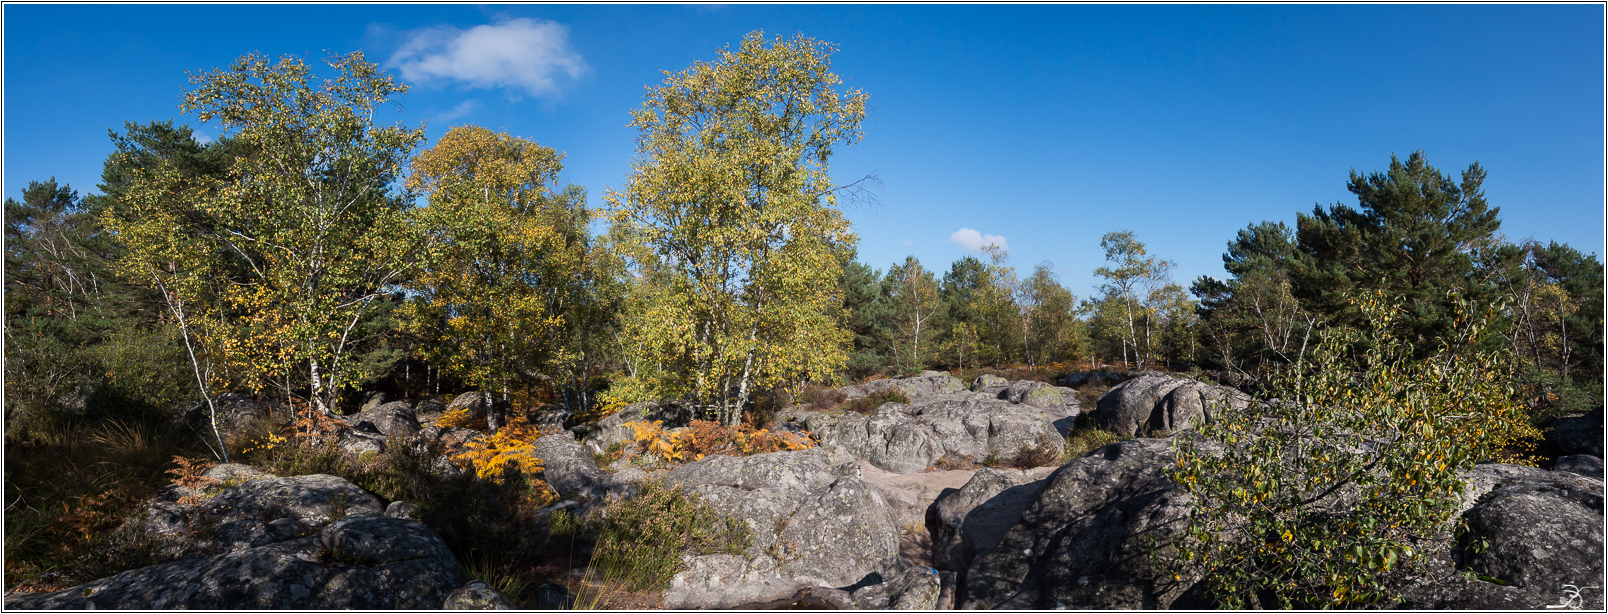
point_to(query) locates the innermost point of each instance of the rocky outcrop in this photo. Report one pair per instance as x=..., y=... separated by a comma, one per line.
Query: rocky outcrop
x=1538, y=533
x=1082, y=542
x=971, y=520
x=304, y=542
x=1038, y=394
x=986, y=381
x=905, y=439
x=357, y=562
x=257, y=512
x=914, y=388
x=568, y=467
x=236, y=412
x=1583, y=464
x=388, y=419
x=1576, y=435
x=815, y=523
x=1161, y=405
x=1077, y=379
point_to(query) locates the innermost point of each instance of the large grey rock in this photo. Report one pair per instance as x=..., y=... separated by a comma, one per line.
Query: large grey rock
x=568, y=467
x=905, y=439
x=813, y=524
x=1162, y=405
x=986, y=381
x=1577, y=434
x=375, y=398
x=914, y=388
x=236, y=412
x=389, y=419
x=974, y=518
x=1583, y=464
x=1541, y=534
x=915, y=588
x=357, y=562
x=1037, y=394
x=1538, y=532
x=1077, y=379
x=258, y=512
x=549, y=417
x=1083, y=541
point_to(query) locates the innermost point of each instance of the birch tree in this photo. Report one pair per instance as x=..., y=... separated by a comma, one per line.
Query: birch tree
x=299, y=238
x=730, y=189
x=914, y=298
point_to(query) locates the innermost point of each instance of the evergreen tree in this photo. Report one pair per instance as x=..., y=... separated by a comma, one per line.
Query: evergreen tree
x=1412, y=236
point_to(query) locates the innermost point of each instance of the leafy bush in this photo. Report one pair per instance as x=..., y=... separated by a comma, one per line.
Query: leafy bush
x=868, y=404
x=1334, y=492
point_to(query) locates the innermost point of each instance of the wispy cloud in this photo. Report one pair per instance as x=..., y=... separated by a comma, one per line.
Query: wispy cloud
x=521, y=54
x=974, y=241
x=201, y=137
x=907, y=242
x=464, y=108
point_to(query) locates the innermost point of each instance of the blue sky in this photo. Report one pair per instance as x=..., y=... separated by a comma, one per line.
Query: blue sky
x=1043, y=127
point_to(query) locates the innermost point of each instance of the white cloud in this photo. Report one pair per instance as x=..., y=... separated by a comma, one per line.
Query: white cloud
x=526, y=54
x=201, y=137
x=974, y=241
x=907, y=242
x=464, y=108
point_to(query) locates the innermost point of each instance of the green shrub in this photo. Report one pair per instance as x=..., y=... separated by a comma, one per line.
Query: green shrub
x=1085, y=438
x=1336, y=489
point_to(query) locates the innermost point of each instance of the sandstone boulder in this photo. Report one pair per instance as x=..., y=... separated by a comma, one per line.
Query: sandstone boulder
x=972, y=519
x=389, y=419
x=1082, y=543
x=905, y=439
x=986, y=381
x=1038, y=394
x=1583, y=464
x=1162, y=405
x=1537, y=532
x=358, y=562
x=813, y=524
x=914, y=388
x=477, y=595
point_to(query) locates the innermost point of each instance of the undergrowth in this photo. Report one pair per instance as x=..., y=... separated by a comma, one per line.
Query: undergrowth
x=68, y=487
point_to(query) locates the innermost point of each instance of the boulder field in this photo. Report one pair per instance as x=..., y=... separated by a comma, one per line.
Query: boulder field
x=833, y=526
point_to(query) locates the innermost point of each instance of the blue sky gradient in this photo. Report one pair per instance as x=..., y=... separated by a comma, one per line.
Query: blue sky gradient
x=1045, y=125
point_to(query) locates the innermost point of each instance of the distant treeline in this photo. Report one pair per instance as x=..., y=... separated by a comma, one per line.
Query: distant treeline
x=309, y=253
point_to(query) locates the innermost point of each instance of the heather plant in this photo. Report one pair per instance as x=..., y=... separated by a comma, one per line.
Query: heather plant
x=1333, y=491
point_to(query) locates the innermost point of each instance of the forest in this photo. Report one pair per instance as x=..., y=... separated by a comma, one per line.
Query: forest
x=313, y=257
